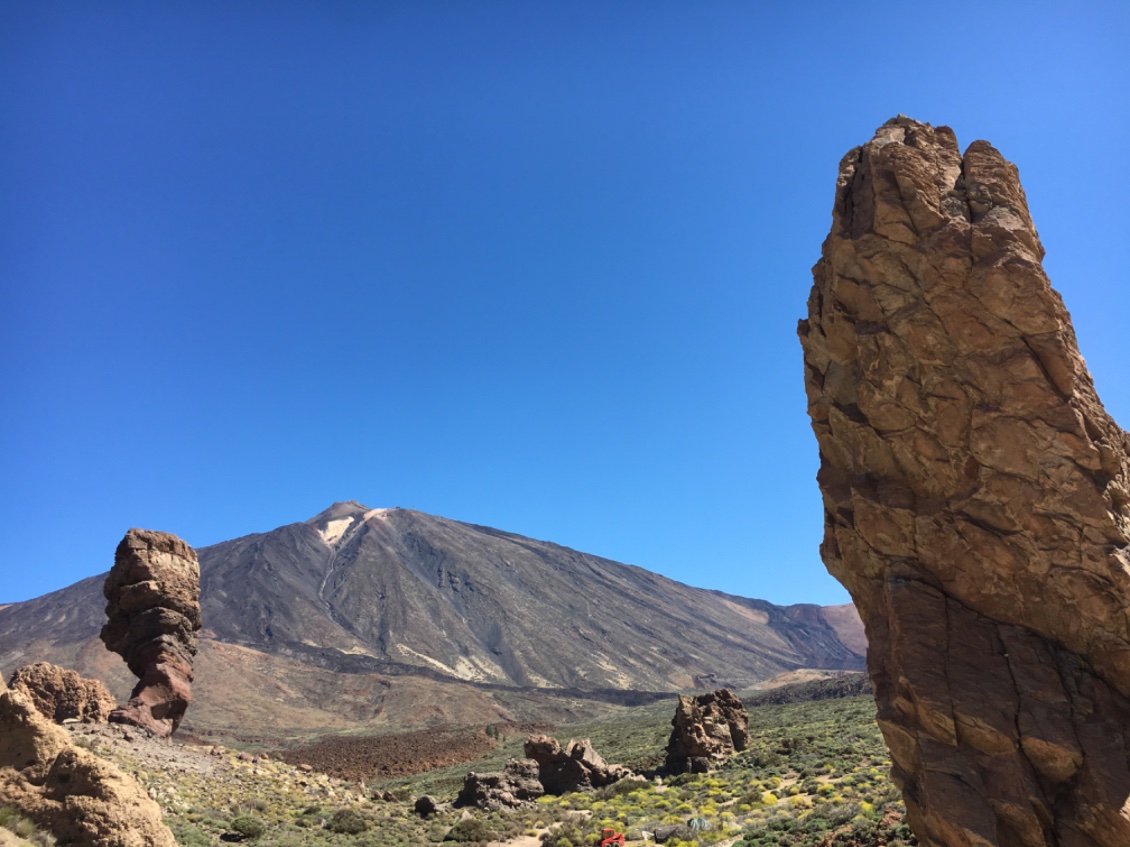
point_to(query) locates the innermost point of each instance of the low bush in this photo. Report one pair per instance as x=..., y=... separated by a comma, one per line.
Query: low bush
x=248, y=826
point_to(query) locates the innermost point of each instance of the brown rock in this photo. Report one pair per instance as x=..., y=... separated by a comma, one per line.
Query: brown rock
x=577, y=766
x=706, y=730
x=62, y=695
x=153, y=607
x=975, y=499
x=516, y=785
x=79, y=798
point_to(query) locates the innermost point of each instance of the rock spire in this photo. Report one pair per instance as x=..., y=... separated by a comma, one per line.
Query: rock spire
x=153, y=610
x=975, y=496
x=705, y=731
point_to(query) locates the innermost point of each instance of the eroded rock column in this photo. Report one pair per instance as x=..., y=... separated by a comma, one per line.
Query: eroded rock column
x=153, y=610
x=976, y=499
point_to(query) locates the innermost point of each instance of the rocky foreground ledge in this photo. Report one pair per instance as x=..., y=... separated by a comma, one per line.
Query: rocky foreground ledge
x=976, y=499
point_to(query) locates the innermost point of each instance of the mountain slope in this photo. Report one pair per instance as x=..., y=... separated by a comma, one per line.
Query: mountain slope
x=478, y=604
x=393, y=593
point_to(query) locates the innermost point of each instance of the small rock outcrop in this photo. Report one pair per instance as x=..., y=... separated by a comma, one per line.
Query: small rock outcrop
x=577, y=766
x=516, y=785
x=153, y=610
x=976, y=499
x=82, y=800
x=63, y=695
x=705, y=731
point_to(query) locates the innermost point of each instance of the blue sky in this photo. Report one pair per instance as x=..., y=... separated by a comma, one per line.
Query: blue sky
x=533, y=265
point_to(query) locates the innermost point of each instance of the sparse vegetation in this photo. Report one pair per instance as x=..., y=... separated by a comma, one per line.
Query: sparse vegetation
x=16, y=823
x=815, y=773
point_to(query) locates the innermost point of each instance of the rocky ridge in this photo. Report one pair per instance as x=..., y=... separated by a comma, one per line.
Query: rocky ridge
x=976, y=498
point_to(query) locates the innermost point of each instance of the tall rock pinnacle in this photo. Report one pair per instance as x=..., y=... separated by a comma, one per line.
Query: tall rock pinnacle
x=975, y=497
x=153, y=610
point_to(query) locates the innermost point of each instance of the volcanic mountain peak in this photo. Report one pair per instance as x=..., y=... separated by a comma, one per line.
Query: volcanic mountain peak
x=400, y=593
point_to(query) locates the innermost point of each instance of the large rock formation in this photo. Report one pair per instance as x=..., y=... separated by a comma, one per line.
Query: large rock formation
x=516, y=785
x=706, y=730
x=577, y=766
x=63, y=695
x=975, y=496
x=82, y=800
x=153, y=607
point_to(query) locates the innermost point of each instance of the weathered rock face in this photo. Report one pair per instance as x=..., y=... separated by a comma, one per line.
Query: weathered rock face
x=153, y=607
x=706, y=730
x=61, y=695
x=82, y=800
x=975, y=496
x=577, y=766
x=516, y=785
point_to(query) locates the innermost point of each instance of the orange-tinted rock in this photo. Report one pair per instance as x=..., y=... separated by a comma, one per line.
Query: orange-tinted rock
x=705, y=731
x=62, y=695
x=153, y=611
x=82, y=800
x=975, y=496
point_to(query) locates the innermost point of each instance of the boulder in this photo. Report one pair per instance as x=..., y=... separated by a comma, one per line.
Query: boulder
x=80, y=799
x=705, y=731
x=516, y=785
x=63, y=695
x=975, y=499
x=426, y=805
x=577, y=766
x=153, y=611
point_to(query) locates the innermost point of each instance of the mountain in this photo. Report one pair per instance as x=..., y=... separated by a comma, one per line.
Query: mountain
x=308, y=612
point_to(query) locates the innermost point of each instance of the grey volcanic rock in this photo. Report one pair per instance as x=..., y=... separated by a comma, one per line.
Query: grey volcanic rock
x=705, y=731
x=516, y=785
x=153, y=611
x=61, y=695
x=576, y=767
x=975, y=499
x=474, y=603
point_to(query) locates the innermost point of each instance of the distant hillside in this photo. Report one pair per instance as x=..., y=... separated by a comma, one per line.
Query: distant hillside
x=393, y=594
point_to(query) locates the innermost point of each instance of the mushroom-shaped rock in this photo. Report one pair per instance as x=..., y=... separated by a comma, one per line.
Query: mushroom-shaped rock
x=153, y=610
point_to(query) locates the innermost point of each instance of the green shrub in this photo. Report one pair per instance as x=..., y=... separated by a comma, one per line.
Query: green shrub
x=471, y=830
x=347, y=822
x=248, y=826
x=187, y=835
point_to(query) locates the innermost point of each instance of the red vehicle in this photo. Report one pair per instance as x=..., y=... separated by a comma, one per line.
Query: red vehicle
x=608, y=837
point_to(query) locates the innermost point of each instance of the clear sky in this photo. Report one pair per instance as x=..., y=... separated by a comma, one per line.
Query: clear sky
x=535, y=265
